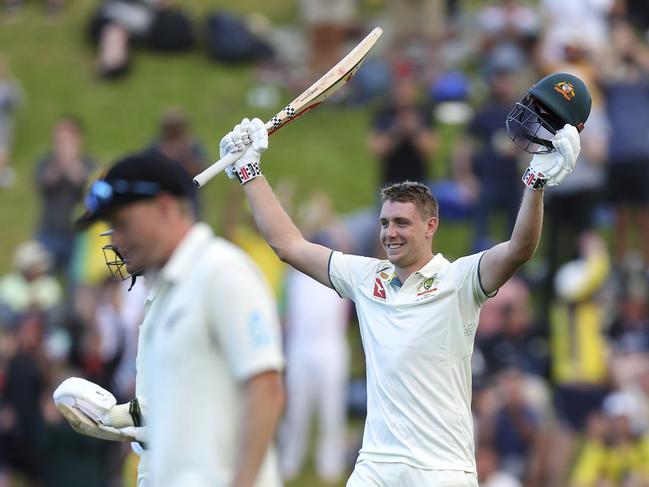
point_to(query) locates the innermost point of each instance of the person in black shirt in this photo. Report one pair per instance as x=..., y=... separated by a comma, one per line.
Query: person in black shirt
x=402, y=138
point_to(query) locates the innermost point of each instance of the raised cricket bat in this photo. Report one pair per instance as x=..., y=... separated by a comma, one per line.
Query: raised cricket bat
x=312, y=97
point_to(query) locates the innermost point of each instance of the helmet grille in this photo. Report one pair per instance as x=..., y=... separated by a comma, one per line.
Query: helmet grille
x=531, y=126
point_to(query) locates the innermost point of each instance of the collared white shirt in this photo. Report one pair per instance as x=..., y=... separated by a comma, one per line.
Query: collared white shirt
x=210, y=324
x=418, y=340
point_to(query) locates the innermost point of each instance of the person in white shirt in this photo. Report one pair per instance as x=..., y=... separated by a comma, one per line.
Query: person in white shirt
x=417, y=311
x=317, y=371
x=208, y=383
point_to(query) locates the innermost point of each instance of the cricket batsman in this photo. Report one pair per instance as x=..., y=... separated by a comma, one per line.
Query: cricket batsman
x=418, y=312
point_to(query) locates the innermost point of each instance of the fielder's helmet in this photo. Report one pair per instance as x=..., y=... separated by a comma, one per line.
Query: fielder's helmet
x=552, y=102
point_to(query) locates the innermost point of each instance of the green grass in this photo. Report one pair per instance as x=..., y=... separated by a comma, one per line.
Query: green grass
x=54, y=65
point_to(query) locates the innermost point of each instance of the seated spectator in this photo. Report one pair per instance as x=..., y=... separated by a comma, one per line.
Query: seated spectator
x=517, y=341
x=118, y=24
x=30, y=287
x=514, y=428
x=61, y=176
x=20, y=413
x=616, y=448
x=590, y=464
x=629, y=332
x=628, y=460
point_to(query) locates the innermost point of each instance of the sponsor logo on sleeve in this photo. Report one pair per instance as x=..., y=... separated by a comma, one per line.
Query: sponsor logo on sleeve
x=379, y=290
x=259, y=333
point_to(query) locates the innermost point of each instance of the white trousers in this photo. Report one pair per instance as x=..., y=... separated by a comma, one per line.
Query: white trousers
x=375, y=474
x=316, y=383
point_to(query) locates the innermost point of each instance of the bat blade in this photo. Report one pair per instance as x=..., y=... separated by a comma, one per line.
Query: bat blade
x=315, y=94
x=327, y=85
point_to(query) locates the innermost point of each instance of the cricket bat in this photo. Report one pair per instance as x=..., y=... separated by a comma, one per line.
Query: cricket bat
x=315, y=94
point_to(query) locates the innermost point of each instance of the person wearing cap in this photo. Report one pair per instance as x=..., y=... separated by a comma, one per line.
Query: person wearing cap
x=208, y=385
x=418, y=312
x=30, y=287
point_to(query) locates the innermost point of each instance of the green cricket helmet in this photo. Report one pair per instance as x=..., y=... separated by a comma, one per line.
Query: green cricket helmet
x=552, y=102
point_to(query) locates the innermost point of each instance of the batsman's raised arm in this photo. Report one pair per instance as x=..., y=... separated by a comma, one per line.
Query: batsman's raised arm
x=251, y=139
x=502, y=261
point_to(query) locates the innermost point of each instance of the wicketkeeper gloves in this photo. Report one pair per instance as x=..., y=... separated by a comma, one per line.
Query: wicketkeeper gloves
x=552, y=167
x=92, y=411
x=250, y=137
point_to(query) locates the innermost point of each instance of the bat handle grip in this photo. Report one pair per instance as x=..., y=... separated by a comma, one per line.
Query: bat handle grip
x=201, y=179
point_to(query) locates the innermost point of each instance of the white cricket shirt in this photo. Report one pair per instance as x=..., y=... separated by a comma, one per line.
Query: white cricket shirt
x=418, y=341
x=210, y=324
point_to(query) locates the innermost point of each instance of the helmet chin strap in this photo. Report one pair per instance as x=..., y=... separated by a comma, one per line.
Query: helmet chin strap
x=133, y=279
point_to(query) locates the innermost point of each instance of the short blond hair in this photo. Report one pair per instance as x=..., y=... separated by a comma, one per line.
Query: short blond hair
x=412, y=192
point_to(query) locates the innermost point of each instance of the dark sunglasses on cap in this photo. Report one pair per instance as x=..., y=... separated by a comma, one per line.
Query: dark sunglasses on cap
x=102, y=193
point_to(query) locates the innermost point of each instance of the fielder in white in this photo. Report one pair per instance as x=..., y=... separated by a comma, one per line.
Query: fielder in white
x=418, y=312
x=209, y=362
x=317, y=371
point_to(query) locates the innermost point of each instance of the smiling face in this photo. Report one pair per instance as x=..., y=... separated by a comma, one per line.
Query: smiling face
x=406, y=235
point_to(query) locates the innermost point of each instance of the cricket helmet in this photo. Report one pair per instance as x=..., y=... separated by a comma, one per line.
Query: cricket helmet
x=552, y=102
x=138, y=176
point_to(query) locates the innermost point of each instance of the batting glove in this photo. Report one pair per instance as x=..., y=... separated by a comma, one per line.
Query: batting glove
x=551, y=168
x=250, y=137
x=92, y=400
x=90, y=410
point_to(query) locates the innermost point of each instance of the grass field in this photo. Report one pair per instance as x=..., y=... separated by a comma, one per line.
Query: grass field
x=50, y=57
x=54, y=65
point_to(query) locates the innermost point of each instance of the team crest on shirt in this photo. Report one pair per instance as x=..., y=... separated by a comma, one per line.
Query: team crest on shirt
x=427, y=288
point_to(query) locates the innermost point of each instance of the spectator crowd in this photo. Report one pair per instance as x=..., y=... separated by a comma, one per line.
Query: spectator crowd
x=561, y=358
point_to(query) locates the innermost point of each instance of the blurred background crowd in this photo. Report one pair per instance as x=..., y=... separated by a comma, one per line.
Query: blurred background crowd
x=561, y=359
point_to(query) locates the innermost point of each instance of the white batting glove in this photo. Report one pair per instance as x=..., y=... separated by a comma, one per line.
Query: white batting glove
x=250, y=137
x=551, y=168
x=93, y=401
x=91, y=410
x=86, y=426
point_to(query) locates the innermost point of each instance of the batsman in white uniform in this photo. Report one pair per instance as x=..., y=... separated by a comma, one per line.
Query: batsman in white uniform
x=418, y=312
x=208, y=385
